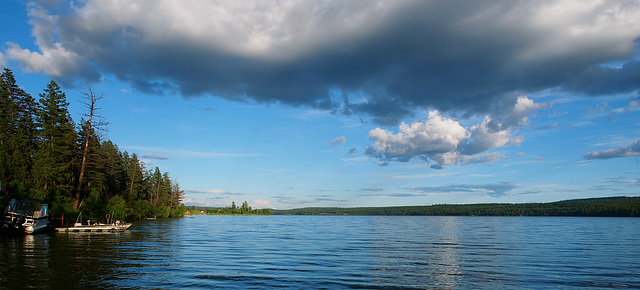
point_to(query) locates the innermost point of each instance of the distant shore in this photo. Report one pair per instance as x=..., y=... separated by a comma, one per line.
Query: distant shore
x=620, y=206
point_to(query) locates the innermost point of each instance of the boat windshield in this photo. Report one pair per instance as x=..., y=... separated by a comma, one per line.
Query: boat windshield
x=26, y=206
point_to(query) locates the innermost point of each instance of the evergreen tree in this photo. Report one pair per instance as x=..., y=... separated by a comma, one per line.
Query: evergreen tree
x=18, y=139
x=135, y=176
x=7, y=124
x=57, y=139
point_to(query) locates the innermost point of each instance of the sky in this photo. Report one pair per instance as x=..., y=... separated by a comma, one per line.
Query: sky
x=290, y=104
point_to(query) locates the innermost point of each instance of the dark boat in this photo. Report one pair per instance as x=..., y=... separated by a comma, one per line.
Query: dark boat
x=25, y=215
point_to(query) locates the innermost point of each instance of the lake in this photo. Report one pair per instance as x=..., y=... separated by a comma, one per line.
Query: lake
x=333, y=252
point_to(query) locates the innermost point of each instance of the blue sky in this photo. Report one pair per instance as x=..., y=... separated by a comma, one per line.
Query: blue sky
x=289, y=104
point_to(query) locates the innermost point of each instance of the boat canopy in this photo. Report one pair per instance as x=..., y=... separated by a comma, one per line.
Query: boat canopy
x=27, y=206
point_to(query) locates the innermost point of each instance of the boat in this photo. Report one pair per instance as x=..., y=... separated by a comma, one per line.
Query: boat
x=25, y=215
x=95, y=227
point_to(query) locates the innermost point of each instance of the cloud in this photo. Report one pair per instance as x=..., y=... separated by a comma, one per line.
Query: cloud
x=446, y=142
x=338, y=140
x=187, y=153
x=628, y=151
x=261, y=203
x=381, y=58
x=437, y=135
x=154, y=156
x=298, y=200
x=491, y=189
x=213, y=191
x=372, y=189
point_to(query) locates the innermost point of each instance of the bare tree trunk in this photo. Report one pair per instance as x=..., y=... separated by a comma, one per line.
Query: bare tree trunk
x=133, y=174
x=157, y=191
x=85, y=152
x=91, y=100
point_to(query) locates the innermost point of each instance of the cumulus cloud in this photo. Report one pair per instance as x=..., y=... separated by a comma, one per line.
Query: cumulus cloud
x=54, y=58
x=436, y=135
x=445, y=141
x=629, y=151
x=385, y=58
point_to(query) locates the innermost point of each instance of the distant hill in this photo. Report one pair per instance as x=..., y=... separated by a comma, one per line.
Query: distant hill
x=620, y=206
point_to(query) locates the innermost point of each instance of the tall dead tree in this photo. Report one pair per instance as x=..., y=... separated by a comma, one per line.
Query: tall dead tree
x=91, y=125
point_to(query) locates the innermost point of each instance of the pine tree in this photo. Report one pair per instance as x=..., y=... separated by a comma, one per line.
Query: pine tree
x=18, y=132
x=7, y=113
x=135, y=174
x=57, y=142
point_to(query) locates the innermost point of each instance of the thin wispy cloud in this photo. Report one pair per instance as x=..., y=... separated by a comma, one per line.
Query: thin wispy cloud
x=154, y=156
x=492, y=189
x=188, y=153
x=213, y=192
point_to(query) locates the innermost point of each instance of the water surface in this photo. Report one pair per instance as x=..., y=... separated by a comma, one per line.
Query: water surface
x=333, y=252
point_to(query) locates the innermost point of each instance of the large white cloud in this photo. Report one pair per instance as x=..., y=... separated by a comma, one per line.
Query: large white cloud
x=386, y=57
x=436, y=135
x=444, y=141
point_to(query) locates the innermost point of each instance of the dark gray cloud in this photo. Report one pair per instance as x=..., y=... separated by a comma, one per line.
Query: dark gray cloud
x=628, y=151
x=385, y=59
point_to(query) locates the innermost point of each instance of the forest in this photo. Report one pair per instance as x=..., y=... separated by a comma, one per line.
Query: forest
x=600, y=207
x=45, y=155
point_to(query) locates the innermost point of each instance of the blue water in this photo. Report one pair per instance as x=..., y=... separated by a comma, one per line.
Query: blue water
x=333, y=252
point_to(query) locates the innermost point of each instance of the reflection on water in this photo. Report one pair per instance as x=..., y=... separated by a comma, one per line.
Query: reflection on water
x=332, y=252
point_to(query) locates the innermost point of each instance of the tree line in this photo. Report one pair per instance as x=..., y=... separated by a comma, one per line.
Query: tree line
x=45, y=155
x=602, y=207
x=244, y=209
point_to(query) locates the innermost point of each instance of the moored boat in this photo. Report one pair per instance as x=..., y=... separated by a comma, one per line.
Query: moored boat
x=112, y=227
x=96, y=227
x=25, y=215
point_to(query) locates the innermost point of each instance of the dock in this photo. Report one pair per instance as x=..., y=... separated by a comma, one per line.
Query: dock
x=96, y=228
